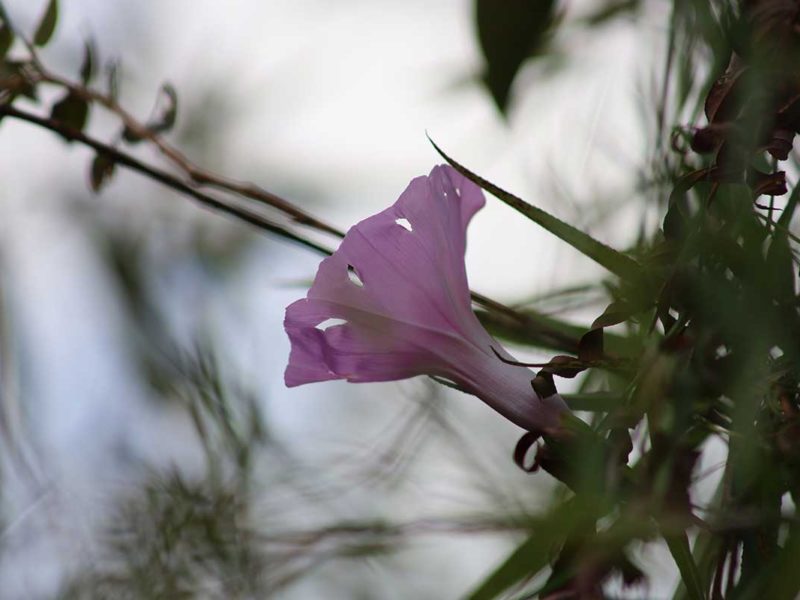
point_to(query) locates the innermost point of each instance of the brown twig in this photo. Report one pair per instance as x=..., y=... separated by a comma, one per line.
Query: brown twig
x=194, y=173
x=197, y=176
x=176, y=184
x=161, y=176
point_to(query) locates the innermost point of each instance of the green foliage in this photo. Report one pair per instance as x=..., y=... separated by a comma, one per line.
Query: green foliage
x=163, y=119
x=691, y=338
x=535, y=553
x=47, y=25
x=6, y=39
x=616, y=262
x=176, y=539
x=511, y=32
x=713, y=316
x=101, y=171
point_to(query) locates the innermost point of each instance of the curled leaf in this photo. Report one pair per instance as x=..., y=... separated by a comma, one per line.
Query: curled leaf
x=616, y=262
x=167, y=110
x=510, y=32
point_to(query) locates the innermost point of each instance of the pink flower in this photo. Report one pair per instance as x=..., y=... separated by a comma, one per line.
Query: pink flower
x=398, y=287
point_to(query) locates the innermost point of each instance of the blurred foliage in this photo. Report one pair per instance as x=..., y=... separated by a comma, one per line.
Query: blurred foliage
x=715, y=312
x=511, y=32
x=176, y=539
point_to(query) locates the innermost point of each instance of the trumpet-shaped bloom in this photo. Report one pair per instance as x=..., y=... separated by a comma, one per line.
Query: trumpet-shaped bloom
x=393, y=302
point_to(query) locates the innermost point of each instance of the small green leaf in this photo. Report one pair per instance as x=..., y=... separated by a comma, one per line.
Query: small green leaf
x=47, y=25
x=71, y=111
x=6, y=32
x=618, y=263
x=543, y=331
x=113, y=80
x=88, y=65
x=779, y=271
x=6, y=39
x=102, y=169
x=163, y=119
x=167, y=113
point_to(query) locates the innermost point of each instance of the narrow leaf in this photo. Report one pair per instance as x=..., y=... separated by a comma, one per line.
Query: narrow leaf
x=6, y=32
x=113, y=80
x=616, y=262
x=679, y=548
x=543, y=331
x=47, y=25
x=71, y=111
x=526, y=560
x=88, y=65
x=6, y=39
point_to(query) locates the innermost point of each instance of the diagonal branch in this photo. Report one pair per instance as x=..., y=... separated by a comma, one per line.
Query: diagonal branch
x=194, y=173
x=161, y=176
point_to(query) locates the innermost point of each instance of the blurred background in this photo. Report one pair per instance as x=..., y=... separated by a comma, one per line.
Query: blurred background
x=150, y=448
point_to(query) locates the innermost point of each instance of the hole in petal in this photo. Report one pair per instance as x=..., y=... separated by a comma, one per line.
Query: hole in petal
x=354, y=277
x=458, y=192
x=404, y=223
x=332, y=322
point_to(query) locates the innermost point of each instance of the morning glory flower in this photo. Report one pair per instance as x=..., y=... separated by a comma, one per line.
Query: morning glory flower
x=393, y=302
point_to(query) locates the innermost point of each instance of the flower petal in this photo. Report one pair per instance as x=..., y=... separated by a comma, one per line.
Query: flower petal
x=404, y=289
x=399, y=284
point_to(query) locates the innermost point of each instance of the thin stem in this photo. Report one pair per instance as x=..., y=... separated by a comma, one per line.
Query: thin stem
x=207, y=200
x=161, y=176
x=197, y=176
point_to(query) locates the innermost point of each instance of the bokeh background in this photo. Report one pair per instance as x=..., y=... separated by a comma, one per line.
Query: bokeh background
x=121, y=310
